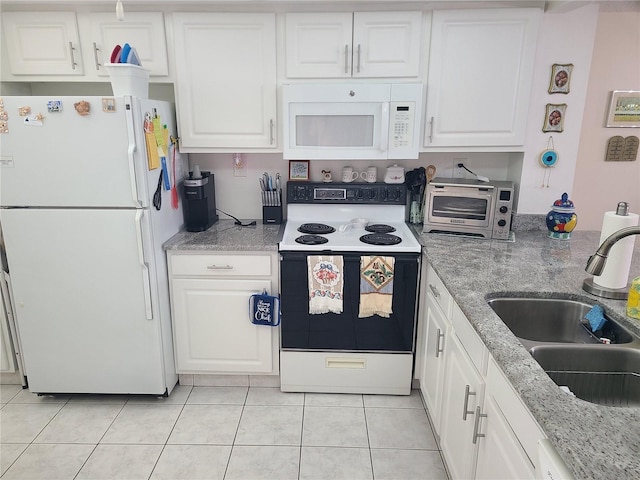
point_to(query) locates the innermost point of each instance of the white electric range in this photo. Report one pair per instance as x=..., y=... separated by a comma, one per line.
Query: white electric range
x=341, y=352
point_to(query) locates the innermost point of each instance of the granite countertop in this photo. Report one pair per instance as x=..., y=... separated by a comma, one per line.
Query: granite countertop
x=225, y=235
x=596, y=442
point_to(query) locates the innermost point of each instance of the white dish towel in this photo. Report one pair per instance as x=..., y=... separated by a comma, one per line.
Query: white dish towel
x=325, y=274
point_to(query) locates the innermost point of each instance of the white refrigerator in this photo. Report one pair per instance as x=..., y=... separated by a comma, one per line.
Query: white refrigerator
x=83, y=239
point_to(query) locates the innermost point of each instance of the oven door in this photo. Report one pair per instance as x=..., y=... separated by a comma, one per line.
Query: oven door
x=346, y=332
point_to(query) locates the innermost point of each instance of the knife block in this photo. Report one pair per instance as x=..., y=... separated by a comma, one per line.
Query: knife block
x=272, y=215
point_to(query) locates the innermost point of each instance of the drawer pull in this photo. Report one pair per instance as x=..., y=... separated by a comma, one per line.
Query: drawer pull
x=439, y=335
x=434, y=290
x=476, y=425
x=345, y=363
x=465, y=410
x=219, y=267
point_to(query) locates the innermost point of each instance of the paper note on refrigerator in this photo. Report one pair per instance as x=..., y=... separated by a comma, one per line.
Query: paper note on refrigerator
x=153, y=158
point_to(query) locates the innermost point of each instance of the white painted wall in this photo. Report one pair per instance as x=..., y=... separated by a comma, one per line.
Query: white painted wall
x=565, y=37
x=600, y=185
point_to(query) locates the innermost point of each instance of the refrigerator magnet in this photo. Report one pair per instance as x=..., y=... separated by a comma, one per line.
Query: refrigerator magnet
x=33, y=120
x=54, y=106
x=109, y=105
x=82, y=107
x=24, y=111
x=4, y=127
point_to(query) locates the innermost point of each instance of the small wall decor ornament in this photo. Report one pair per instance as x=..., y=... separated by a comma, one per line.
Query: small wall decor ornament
x=560, y=78
x=554, y=117
x=548, y=159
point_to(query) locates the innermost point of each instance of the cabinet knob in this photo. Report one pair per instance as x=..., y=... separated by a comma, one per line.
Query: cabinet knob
x=95, y=56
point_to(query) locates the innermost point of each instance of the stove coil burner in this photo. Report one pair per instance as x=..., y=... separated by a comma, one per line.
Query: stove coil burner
x=316, y=228
x=380, y=239
x=379, y=228
x=311, y=239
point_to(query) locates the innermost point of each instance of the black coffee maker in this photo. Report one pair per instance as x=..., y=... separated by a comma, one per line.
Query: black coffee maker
x=199, y=203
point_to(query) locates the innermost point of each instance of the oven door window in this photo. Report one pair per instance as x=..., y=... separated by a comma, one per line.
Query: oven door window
x=345, y=331
x=474, y=210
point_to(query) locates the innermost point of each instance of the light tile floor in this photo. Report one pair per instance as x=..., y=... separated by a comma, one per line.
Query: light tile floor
x=246, y=433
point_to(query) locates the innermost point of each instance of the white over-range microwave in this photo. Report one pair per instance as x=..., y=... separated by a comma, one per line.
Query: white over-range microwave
x=352, y=121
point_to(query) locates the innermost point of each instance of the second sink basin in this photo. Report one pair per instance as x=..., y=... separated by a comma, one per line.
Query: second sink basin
x=606, y=376
x=551, y=320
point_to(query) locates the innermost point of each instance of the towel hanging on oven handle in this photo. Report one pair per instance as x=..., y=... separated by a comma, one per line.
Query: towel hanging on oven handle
x=264, y=309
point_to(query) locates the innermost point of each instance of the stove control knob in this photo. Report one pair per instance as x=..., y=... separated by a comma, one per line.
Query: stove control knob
x=359, y=193
x=372, y=194
x=503, y=209
x=502, y=223
x=384, y=194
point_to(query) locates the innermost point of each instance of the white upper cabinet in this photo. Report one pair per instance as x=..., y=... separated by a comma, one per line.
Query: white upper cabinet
x=142, y=30
x=58, y=44
x=480, y=74
x=360, y=44
x=42, y=43
x=225, y=80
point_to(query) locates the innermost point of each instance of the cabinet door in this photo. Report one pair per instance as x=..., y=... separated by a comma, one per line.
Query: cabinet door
x=144, y=31
x=500, y=455
x=463, y=392
x=42, y=43
x=226, y=80
x=212, y=328
x=480, y=73
x=386, y=44
x=436, y=332
x=318, y=45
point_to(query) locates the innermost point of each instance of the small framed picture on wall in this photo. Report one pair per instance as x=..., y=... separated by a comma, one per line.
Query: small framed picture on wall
x=299, y=170
x=554, y=117
x=560, y=78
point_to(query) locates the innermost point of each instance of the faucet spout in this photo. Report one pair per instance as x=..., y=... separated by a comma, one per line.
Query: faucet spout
x=597, y=262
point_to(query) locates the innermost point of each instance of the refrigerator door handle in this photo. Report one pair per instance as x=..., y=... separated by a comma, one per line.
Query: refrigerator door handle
x=145, y=268
x=131, y=149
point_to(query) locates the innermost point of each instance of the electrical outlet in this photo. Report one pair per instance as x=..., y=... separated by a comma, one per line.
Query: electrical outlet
x=459, y=172
x=239, y=165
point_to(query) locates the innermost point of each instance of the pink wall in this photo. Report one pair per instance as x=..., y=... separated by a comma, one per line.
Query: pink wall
x=599, y=185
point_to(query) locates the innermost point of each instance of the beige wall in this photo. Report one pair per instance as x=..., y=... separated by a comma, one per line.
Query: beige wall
x=615, y=65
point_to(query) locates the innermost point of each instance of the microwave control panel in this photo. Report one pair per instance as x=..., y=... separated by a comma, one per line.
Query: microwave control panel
x=401, y=124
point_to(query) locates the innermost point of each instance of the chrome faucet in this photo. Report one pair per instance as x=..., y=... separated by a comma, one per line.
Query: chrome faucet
x=597, y=261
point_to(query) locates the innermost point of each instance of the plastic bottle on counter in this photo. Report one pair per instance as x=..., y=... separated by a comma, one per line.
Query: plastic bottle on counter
x=633, y=301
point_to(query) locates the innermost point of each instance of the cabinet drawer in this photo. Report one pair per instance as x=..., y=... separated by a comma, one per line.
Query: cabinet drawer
x=220, y=265
x=439, y=291
x=470, y=340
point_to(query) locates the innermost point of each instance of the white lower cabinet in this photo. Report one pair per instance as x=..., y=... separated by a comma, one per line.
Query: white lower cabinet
x=500, y=456
x=435, y=331
x=463, y=394
x=212, y=329
x=485, y=430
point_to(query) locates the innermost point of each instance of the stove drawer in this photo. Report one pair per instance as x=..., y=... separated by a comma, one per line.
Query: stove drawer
x=346, y=372
x=223, y=265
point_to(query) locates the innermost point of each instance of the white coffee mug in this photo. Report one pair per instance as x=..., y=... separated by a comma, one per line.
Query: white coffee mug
x=370, y=175
x=348, y=175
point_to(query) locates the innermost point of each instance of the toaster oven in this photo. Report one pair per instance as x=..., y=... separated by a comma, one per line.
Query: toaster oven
x=468, y=207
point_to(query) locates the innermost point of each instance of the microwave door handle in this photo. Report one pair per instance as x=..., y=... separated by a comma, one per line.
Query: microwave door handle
x=384, y=130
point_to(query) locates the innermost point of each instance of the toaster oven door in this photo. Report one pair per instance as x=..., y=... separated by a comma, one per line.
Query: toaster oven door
x=462, y=208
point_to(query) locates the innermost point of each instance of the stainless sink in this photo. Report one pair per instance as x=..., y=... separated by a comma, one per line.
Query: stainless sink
x=559, y=338
x=552, y=320
x=606, y=376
